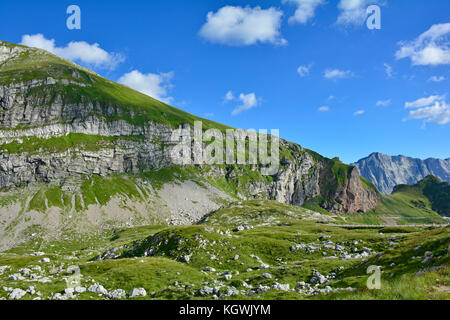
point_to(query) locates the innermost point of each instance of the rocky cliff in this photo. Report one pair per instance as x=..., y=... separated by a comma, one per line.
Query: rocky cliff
x=60, y=123
x=387, y=171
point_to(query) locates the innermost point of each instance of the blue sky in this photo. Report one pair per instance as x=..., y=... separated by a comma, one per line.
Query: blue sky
x=310, y=68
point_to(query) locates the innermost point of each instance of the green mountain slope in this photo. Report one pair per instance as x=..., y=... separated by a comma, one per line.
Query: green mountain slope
x=136, y=108
x=422, y=203
x=434, y=190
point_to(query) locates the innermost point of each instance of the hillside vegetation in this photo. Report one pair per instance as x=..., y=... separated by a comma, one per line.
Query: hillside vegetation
x=136, y=108
x=436, y=191
x=248, y=250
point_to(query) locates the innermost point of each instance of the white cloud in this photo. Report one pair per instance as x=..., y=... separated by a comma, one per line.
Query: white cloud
x=353, y=12
x=431, y=48
x=437, y=79
x=423, y=102
x=324, y=109
x=303, y=71
x=306, y=10
x=384, y=103
x=229, y=96
x=438, y=113
x=359, y=113
x=154, y=85
x=77, y=51
x=389, y=71
x=337, y=74
x=243, y=26
x=248, y=101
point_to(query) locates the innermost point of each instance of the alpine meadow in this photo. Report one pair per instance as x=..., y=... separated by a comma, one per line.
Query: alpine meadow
x=112, y=188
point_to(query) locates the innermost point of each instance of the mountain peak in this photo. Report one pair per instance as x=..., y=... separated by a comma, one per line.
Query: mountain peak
x=386, y=171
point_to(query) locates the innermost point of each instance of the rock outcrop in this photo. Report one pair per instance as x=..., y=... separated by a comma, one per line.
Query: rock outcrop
x=41, y=115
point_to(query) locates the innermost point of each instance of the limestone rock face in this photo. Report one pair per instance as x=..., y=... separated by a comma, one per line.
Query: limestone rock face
x=353, y=197
x=297, y=181
x=386, y=171
x=39, y=109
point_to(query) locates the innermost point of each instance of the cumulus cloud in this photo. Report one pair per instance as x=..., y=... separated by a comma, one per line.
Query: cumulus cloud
x=306, y=10
x=337, y=74
x=430, y=109
x=438, y=113
x=437, y=79
x=431, y=48
x=151, y=84
x=353, y=12
x=243, y=26
x=384, y=103
x=422, y=102
x=247, y=102
x=359, y=113
x=303, y=71
x=76, y=51
x=324, y=109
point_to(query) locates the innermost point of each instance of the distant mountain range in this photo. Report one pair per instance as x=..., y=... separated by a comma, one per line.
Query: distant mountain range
x=386, y=171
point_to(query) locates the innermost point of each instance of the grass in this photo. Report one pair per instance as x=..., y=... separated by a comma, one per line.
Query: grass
x=92, y=191
x=436, y=191
x=62, y=144
x=368, y=185
x=276, y=227
x=409, y=204
x=99, y=190
x=130, y=105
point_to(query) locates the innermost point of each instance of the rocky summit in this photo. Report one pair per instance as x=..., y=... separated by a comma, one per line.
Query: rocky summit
x=386, y=171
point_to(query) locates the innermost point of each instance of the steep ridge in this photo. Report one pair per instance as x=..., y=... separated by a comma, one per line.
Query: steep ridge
x=388, y=171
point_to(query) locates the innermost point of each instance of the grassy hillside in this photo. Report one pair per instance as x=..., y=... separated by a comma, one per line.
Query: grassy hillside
x=137, y=108
x=436, y=191
x=248, y=250
x=411, y=204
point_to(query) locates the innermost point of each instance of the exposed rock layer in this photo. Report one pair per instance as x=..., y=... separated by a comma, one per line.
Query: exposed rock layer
x=38, y=108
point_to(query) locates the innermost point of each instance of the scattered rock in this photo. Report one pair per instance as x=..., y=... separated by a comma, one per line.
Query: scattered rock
x=209, y=269
x=97, y=289
x=80, y=289
x=116, y=294
x=17, y=294
x=137, y=292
